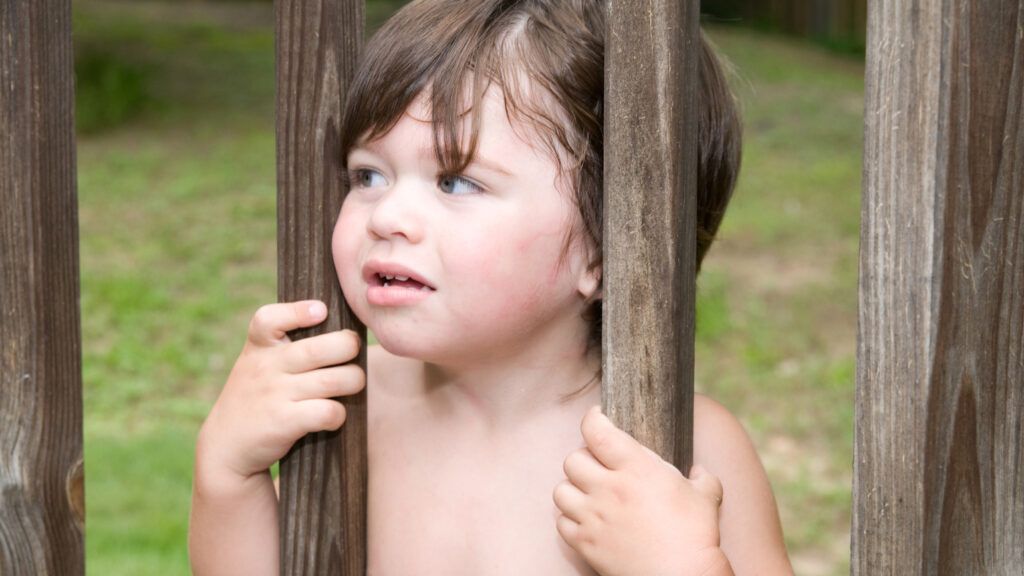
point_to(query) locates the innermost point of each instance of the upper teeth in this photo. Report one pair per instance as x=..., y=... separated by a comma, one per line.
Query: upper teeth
x=399, y=278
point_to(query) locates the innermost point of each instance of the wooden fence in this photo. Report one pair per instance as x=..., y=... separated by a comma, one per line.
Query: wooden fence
x=324, y=477
x=41, y=488
x=938, y=454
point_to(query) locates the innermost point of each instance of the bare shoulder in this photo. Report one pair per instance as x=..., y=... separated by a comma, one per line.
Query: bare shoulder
x=720, y=441
x=751, y=533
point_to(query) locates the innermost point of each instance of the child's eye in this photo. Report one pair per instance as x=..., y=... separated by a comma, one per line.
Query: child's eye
x=362, y=177
x=451, y=181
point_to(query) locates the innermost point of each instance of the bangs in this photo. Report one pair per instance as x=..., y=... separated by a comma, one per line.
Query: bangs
x=451, y=53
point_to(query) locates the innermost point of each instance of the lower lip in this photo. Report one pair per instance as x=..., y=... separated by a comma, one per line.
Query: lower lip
x=395, y=295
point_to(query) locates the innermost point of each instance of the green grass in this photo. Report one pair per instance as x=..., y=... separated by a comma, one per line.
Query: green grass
x=177, y=212
x=783, y=279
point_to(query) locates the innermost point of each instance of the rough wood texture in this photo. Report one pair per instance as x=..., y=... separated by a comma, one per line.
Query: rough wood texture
x=939, y=453
x=650, y=221
x=324, y=477
x=41, y=505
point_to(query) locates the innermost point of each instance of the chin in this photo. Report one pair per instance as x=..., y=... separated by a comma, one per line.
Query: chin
x=406, y=345
x=417, y=347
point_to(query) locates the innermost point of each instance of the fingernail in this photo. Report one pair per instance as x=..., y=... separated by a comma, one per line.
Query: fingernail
x=317, y=310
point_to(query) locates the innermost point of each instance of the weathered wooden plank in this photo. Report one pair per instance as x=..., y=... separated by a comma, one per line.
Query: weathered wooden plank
x=939, y=453
x=324, y=477
x=650, y=217
x=41, y=481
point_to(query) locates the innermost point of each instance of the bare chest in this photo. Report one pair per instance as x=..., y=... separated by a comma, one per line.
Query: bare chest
x=436, y=509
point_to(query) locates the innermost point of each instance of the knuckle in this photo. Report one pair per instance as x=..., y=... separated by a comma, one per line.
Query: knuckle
x=332, y=415
x=261, y=320
x=562, y=492
x=620, y=492
x=572, y=461
x=600, y=440
x=586, y=540
x=339, y=415
x=327, y=384
x=310, y=352
x=560, y=489
x=277, y=414
x=358, y=378
x=348, y=341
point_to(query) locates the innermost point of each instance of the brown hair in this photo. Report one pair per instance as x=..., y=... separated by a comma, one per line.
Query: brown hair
x=558, y=46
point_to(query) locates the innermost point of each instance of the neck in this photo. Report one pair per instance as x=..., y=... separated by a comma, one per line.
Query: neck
x=505, y=391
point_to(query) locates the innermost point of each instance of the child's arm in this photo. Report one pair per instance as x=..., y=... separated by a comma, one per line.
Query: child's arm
x=749, y=519
x=628, y=512
x=278, y=391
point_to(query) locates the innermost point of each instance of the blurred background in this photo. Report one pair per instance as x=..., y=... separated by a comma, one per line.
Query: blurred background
x=176, y=168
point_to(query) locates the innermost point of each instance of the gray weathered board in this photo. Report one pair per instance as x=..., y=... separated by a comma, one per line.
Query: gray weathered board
x=41, y=482
x=650, y=150
x=324, y=477
x=939, y=454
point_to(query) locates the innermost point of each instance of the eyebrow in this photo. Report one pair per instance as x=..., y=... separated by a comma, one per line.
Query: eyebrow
x=478, y=160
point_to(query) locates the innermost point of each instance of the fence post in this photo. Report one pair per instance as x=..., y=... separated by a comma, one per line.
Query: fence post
x=650, y=155
x=324, y=477
x=939, y=455
x=41, y=476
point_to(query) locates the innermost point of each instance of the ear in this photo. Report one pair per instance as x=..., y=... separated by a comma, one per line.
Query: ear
x=588, y=283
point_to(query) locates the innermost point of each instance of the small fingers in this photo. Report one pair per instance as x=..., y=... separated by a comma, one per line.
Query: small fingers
x=612, y=446
x=271, y=323
x=329, y=382
x=707, y=484
x=656, y=458
x=318, y=351
x=583, y=470
x=570, y=500
x=320, y=414
x=569, y=530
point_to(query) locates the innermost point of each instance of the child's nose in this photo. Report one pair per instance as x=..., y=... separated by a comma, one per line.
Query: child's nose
x=396, y=215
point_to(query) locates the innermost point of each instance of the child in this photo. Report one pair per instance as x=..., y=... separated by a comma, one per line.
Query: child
x=470, y=244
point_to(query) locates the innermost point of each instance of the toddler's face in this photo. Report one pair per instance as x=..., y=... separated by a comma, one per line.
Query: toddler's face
x=487, y=243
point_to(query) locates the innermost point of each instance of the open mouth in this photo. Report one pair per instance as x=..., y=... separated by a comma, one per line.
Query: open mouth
x=388, y=280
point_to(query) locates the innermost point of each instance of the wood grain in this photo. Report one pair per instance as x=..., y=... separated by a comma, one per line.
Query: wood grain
x=41, y=488
x=324, y=477
x=939, y=453
x=650, y=221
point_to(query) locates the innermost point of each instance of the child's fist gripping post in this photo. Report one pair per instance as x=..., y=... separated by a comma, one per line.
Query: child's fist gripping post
x=630, y=513
x=279, y=390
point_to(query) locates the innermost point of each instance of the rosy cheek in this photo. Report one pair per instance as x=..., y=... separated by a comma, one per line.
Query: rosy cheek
x=345, y=241
x=521, y=273
x=542, y=248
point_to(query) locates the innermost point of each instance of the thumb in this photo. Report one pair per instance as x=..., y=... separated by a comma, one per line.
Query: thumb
x=706, y=483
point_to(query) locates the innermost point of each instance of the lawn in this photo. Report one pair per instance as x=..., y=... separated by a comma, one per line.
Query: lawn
x=177, y=211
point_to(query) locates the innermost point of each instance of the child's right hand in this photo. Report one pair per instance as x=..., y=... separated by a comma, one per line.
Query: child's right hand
x=279, y=391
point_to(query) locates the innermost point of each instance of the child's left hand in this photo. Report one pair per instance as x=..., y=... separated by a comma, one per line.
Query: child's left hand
x=630, y=513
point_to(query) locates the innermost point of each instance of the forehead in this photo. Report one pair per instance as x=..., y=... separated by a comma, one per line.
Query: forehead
x=508, y=132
